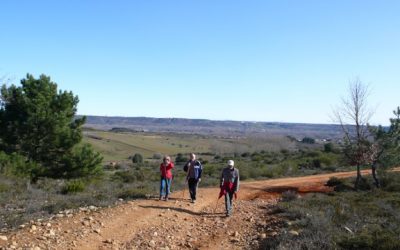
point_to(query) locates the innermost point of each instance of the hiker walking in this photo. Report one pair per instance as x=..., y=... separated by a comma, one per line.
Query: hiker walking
x=194, y=169
x=229, y=184
x=166, y=177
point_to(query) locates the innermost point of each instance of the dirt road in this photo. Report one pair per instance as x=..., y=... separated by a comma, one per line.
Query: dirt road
x=173, y=224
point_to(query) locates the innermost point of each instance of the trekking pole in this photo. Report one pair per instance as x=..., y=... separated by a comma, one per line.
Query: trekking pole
x=184, y=188
x=216, y=205
x=183, y=194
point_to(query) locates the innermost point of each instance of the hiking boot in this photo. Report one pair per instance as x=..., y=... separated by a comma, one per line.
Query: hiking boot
x=166, y=198
x=161, y=197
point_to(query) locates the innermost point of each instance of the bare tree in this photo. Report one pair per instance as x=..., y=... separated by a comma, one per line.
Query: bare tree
x=353, y=115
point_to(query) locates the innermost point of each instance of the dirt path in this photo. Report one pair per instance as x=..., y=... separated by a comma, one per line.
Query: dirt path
x=175, y=224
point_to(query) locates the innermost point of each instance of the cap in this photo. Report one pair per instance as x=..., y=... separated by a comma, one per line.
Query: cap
x=231, y=163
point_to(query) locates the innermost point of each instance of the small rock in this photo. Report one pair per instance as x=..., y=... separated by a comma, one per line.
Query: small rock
x=97, y=231
x=48, y=225
x=235, y=240
x=3, y=238
x=155, y=234
x=236, y=234
x=348, y=230
x=295, y=233
x=152, y=243
x=92, y=208
x=36, y=248
x=263, y=236
x=33, y=228
x=86, y=223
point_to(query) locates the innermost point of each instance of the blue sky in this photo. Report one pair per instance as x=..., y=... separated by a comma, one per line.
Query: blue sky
x=286, y=61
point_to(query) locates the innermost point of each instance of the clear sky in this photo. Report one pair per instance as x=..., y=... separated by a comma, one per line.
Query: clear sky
x=286, y=61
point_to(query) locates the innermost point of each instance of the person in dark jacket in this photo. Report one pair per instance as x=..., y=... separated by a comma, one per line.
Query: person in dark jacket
x=166, y=177
x=194, y=170
x=229, y=184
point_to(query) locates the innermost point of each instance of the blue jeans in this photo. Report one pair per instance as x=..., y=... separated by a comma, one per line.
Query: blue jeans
x=165, y=187
x=228, y=202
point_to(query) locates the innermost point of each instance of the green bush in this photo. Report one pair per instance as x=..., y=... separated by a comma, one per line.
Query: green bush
x=329, y=147
x=17, y=165
x=246, y=154
x=137, y=158
x=325, y=160
x=180, y=158
x=308, y=140
x=73, y=186
x=82, y=162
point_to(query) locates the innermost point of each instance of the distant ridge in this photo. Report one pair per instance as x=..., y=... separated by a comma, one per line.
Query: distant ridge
x=212, y=127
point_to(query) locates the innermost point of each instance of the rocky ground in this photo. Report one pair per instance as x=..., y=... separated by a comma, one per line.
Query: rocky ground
x=173, y=224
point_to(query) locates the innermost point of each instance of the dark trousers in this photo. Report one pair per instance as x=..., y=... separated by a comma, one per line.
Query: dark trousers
x=193, y=187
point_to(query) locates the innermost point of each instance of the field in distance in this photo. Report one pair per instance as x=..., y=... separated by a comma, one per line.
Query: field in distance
x=116, y=146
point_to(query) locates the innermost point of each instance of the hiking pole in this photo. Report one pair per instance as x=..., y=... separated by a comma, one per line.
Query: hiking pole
x=183, y=194
x=216, y=205
x=184, y=188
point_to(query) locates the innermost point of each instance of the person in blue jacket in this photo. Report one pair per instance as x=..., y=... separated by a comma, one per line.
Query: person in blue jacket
x=194, y=169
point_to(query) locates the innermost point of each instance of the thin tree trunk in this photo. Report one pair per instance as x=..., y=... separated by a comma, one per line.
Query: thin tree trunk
x=358, y=176
x=375, y=176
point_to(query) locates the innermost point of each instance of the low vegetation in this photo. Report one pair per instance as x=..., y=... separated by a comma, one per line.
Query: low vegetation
x=21, y=200
x=345, y=219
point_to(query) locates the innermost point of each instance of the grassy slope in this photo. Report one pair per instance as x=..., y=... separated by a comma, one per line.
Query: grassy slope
x=119, y=146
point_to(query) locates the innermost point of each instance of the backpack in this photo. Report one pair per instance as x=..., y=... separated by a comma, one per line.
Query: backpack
x=186, y=167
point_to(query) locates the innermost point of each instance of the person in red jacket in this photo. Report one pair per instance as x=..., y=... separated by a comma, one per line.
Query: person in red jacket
x=166, y=177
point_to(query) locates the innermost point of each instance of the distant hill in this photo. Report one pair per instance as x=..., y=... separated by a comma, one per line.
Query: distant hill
x=212, y=127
